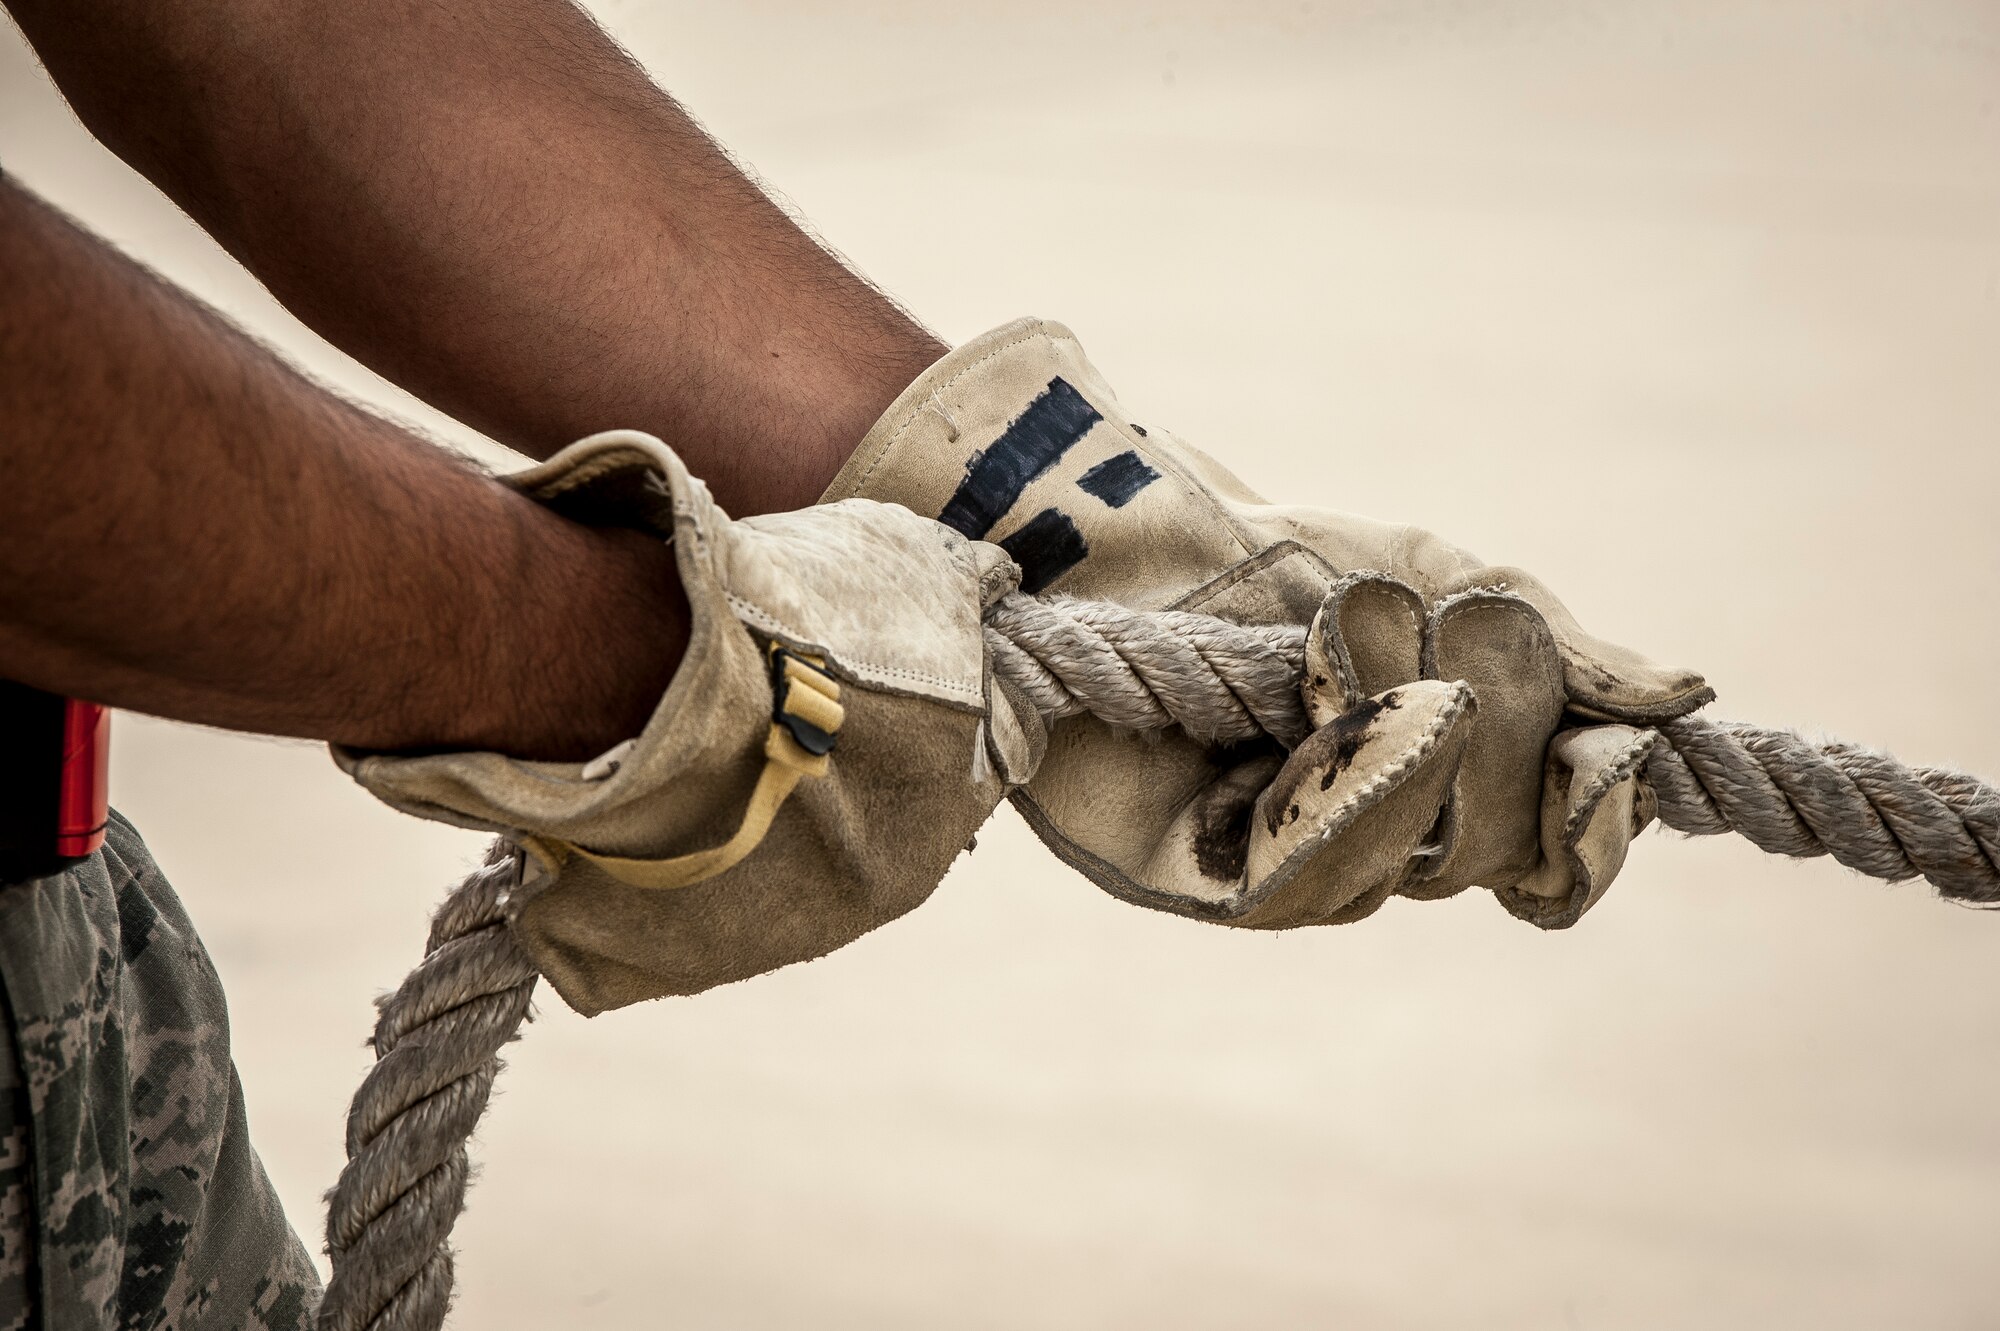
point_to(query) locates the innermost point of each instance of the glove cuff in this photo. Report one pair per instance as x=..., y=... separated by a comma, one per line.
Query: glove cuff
x=911, y=455
x=813, y=769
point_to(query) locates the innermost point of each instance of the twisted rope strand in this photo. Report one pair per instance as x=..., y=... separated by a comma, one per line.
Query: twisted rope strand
x=1147, y=670
x=438, y=1039
x=437, y=1045
x=1784, y=793
x=1791, y=796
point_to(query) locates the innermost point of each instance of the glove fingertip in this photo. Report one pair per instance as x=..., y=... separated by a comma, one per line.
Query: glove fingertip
x=1593, y=804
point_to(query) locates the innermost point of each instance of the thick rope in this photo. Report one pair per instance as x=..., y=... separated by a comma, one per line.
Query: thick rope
x=1784, y=793
x=1791, y=796
x=437, y=1051
x=437, y=1043
x=1147, y=670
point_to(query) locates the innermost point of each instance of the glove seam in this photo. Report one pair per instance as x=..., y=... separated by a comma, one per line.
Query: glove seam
x=752, y=612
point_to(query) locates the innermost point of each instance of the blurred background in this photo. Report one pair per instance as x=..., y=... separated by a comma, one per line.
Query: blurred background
x=1691, y=307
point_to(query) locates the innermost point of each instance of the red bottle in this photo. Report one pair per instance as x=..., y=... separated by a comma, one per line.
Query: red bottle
x=54, y=799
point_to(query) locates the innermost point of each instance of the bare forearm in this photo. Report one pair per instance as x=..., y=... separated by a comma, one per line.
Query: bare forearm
x=187, y=527
x=489, y=204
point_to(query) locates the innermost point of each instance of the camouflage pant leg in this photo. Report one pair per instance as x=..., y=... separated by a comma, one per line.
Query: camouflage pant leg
x=129, y=1195
x=17, y=1190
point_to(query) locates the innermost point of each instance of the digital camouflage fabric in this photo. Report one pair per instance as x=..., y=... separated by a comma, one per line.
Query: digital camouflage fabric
x=129, y=1194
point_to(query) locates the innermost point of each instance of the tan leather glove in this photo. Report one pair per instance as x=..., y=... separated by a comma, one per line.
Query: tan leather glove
x=829, y=744
x=1462, y=710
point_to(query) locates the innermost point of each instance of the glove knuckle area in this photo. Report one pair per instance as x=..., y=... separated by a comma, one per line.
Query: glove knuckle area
x=1367, y=636
x=891, y=599
x=1502, y=648
x=1603, y=680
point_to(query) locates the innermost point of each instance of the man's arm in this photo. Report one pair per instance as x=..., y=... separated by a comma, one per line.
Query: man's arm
x=492, y=206
x=190, y=528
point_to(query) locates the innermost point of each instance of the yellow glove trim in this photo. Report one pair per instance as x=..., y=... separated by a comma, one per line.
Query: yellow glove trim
x=806, y=712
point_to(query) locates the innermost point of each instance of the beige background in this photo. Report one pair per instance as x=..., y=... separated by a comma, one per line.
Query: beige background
x=1692, y=308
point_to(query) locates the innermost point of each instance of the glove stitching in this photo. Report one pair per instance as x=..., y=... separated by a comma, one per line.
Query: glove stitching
x=751, y=611
x=1627, y=763
x=1335, y=821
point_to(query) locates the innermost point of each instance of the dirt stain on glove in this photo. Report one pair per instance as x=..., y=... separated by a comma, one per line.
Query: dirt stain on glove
x=1220, y=814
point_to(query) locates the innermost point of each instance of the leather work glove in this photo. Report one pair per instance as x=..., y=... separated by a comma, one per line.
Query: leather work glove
x=829, y=744
x=1468, y=730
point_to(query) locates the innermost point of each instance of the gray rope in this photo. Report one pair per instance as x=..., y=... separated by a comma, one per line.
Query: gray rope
x=437, y=1043
x=1791, y=796
x=1147, y=670
x=1784, y=793
x=437, y=1046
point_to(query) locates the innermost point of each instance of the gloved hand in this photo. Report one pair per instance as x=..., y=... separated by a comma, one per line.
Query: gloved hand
x=1469, y=730
x=829, y=744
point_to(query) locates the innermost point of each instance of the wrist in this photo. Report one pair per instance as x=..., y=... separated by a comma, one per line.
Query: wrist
x=583, y=628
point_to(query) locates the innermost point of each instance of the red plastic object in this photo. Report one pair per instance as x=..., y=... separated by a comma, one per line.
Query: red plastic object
x=83, y=798
x=54, y=800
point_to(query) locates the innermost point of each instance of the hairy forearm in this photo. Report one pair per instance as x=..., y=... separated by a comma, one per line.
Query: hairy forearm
x=491, y=205
x=190, y=528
